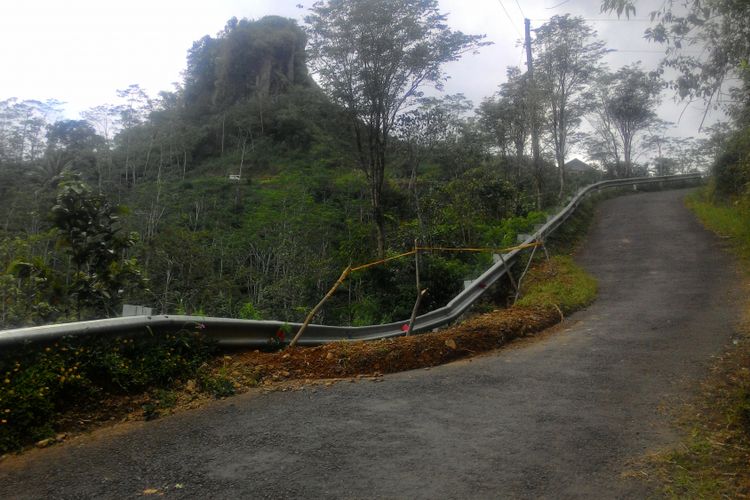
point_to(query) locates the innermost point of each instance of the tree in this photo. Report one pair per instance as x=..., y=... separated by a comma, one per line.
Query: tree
x=508, y=117
x=719, y=71
x=568, y=59
x=624, y=108
x=75, y=144
x=22, y=126
x=259, y=57
x=372, y=57
x=137, y=108
x=90, y=231
x=425, y=128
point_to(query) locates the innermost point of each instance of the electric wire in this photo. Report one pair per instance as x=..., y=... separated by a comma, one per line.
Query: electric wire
x=507, y=14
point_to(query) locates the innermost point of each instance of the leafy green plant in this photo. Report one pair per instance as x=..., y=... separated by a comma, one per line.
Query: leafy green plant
x=38, y=383
x=90, y=231
x=248, y=311
x=216, y=384
x=161, y=399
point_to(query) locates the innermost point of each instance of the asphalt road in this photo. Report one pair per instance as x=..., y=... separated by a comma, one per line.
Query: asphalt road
x=559, y=417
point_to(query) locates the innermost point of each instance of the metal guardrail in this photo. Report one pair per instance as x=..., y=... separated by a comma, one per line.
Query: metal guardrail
x=237, y=332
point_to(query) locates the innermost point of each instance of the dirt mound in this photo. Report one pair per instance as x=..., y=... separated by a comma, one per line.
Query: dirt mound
x=345, y=359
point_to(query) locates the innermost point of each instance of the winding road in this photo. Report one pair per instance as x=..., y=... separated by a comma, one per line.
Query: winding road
x=561, y=416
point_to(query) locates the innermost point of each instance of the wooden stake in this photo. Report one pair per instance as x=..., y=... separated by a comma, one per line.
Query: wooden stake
x=544, y=247
x=528, y=264
x=414, y=311
x=420, y=293
x=315, y=309
x=510, y=275
x=416, y=264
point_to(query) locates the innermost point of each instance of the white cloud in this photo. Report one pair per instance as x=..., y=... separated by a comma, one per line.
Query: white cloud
x=82, y=51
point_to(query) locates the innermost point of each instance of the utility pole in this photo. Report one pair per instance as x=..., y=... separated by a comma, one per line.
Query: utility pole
x=535, y=150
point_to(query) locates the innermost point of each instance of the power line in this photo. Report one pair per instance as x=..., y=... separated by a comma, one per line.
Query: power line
x=655, y=51
x=608, y=20
x=520, y=9
x=510, y=18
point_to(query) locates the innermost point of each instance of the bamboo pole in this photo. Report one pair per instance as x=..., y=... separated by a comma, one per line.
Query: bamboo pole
x=315, y=309
x=528, y=264
x=420, y=292
x=416, y=264
x=415, y=310
x=507, y=271
x=544, y=247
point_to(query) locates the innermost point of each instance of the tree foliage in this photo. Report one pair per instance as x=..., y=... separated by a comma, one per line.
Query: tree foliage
x=708, y=45
x=372, y=57
x=625, y=103
x=269, y=243
x=90, y=232
x=568, y=59
x=263, y=57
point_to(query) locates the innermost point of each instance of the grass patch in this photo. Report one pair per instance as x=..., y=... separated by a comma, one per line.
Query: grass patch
x=731, y=221
x=712, y=461
x=559, y=283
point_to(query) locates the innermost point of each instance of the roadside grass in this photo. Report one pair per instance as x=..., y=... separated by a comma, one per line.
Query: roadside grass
x=713, y=460
x=561, y=284
x=729, y=220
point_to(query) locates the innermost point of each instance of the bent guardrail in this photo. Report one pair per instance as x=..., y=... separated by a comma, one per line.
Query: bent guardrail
x=237, y=332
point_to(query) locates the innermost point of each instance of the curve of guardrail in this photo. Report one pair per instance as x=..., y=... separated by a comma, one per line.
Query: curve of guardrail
x=237, y=332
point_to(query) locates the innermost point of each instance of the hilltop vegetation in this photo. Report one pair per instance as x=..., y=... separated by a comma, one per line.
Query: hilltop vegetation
x=247, y=189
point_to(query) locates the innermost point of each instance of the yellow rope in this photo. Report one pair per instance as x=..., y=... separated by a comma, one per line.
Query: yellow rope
x=382, y=261
x=496, y=250
x=442, y=249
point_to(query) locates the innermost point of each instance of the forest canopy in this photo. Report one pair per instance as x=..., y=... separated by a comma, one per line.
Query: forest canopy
x=289, y=152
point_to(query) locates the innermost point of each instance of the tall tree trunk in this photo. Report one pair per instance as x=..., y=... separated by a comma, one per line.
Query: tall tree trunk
x=379, y=218
x=561, y=169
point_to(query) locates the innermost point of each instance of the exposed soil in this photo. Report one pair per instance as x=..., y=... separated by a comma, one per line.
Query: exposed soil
x=345, y=359
x=286, y=369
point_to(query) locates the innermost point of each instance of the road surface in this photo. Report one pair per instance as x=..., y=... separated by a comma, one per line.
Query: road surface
x=559, y=417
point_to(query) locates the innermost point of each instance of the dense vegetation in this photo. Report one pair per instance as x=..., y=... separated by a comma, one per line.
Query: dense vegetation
x=250, y=187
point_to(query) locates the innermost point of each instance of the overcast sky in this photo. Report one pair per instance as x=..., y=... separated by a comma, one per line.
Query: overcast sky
x=82, y=51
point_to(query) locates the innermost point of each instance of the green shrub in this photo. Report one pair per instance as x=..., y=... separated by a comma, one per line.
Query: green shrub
x=729, y=220
x=161, y=399
x=37, y=383
x=732, y=167
x=218, y=385
x=248, y=311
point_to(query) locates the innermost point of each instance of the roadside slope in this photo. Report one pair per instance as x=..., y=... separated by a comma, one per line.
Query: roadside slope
x=559, y=417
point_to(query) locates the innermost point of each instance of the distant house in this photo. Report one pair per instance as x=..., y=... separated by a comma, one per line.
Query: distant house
x=576, y=166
